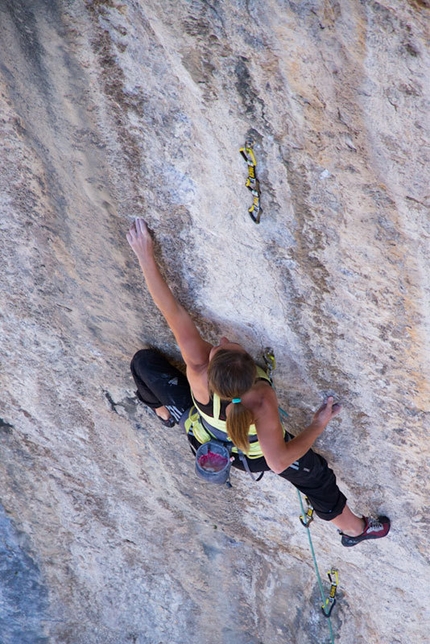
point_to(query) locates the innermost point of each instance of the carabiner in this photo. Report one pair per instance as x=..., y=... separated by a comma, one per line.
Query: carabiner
x=308, y=517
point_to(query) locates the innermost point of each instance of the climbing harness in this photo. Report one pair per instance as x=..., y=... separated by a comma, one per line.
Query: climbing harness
x=207, y=423
x=252, y=183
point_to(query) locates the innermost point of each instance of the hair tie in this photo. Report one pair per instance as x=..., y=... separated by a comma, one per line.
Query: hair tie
x=236, y=401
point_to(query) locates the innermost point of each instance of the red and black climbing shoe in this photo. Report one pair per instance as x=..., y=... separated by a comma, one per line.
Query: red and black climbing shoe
x=374, y=529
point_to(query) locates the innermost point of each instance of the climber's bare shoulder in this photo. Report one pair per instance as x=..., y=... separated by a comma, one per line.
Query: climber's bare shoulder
x=263, y=403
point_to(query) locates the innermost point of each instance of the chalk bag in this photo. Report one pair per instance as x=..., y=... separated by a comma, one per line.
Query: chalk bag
x=213, y=462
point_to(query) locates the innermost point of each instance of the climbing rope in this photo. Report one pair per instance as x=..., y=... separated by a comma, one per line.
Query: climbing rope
x=327, y=602
x=307, y=517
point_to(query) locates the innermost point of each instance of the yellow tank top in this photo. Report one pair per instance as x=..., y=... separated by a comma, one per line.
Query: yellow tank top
x=197, y=419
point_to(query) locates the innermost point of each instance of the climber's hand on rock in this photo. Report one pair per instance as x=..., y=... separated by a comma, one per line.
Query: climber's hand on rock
x=326, y=413
x=140, y=239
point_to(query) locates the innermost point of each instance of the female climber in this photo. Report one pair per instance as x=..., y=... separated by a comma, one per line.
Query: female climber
x=224, y=391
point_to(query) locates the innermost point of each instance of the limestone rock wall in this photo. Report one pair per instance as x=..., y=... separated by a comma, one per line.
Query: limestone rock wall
x=117, y=108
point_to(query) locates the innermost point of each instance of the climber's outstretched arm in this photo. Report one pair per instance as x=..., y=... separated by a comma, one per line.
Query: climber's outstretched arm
x=194, y=349
x=280, y=455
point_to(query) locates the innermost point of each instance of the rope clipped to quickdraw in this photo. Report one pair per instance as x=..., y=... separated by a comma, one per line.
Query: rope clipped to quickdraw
x=252, y=183
x=307, y=518
x=327, y=602
x=330, y=601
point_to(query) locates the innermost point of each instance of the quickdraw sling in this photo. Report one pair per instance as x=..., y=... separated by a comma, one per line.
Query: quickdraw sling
x=252, y=183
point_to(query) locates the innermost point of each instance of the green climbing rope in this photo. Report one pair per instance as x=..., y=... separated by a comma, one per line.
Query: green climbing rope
x=306, y=518
x=320, y=584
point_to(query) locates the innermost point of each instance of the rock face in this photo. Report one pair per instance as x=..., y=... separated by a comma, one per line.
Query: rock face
x=112, y=109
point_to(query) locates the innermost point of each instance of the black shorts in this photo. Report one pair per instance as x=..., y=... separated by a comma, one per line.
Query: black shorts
x=160, y=384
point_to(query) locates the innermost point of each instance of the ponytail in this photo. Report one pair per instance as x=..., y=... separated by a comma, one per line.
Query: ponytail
x=239, y=418
x=230, y=375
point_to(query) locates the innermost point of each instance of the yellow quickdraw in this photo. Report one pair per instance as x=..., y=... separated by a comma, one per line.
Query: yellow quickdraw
x=252, y=183
x=330, y=601
x=307, y=518
x=270, y=361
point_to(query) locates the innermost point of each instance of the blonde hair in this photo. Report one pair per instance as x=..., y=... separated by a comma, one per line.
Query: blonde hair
x=231, y=374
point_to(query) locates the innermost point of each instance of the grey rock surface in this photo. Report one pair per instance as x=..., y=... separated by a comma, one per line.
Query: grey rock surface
x=113, y=109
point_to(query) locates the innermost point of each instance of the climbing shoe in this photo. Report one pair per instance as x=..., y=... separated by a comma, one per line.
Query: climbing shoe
x=168, y=422
x=374, y=529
